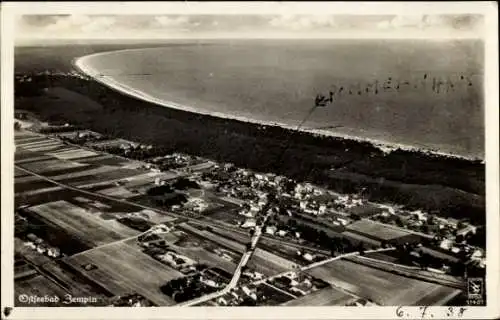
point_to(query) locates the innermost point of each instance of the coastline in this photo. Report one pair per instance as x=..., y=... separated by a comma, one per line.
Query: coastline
x=384, y=146
x=448, y=186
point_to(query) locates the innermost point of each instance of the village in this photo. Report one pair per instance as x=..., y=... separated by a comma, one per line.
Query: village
x=315, y=223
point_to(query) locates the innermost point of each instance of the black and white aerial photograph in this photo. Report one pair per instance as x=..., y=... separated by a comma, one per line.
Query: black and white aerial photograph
x=220, y=159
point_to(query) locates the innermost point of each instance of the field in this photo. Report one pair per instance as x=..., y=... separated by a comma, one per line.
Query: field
x=199, y=241
x=268, y=263
x=77, y=284
x=73, y=154
x=122, y=268
x=81, y=223
x=439, y=296
x=27, y=156
x=118, y=192
x=377, y=230
x=231, y=245
x=365, y=210
x=383, y=256
x=381, y=287
x=18, y=173
x=45, y=145
x=409, y=271
x=51, y=165
x=89, y=170
x=261, y=261
x=29, y=254
x=324, y=297
x=31, y=186
x=89, y=180
x=201, y=255
x=104, y=159
x=37, y=286
x=357, y=237
x=273, y=296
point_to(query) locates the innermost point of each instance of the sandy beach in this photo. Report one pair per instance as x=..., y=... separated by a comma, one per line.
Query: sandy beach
x=82, y=66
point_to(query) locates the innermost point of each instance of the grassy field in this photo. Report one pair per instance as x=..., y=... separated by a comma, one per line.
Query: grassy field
x=231, y=245
x=322, y=298
x=47, y=147
x=73, y=154
x=357, y=237
x=61, y=173
x=31, y=186
x=382, y=256
x=51, y=165
x=105, y=160
x=36, y=286
x=240, y=237
x=82, y=224
x=90, y=179
x=438, y=296
x=89, y=170
x=22, y=156
x=377, y=230
x=122, y=268
x=196, y=246
x=382, y=287
x=29, y=254
x=365, y=210
x=33, y=144
x=410, y=271
x=201, y=255
x=268, y=263
x=18, y=173
x=262, y=260
x=74, y=283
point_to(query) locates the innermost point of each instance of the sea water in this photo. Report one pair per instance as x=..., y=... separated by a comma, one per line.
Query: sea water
x=423, y=94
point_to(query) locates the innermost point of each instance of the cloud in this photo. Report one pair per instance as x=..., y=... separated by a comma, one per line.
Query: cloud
x=172, y=22
x=441, y=22
x=256, y=26
x=302, y=22
x=407, y=21
x=80, y=23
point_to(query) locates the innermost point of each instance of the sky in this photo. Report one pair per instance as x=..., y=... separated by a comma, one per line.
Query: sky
x=32, y=28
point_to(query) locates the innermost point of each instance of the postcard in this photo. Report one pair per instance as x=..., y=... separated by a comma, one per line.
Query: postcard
x=250, y=160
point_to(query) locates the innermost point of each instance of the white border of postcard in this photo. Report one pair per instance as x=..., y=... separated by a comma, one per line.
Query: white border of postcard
x=488, y=9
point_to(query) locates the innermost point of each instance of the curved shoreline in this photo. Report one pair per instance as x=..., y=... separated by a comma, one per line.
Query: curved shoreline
x=384, y=146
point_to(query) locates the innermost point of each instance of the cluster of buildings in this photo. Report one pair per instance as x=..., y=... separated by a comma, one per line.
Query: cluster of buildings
x=361, y=303
x=82, y=136
x=297, y=284
x=252, y=275
x=159, y=249
x=176, y=261
x=420, y=221
x=309, y=257
x=348, y=201
x=22, y=78
x=174, y=161
x=238, y=296
x=223, y=253
x=474, y=254
x=40, y=246
x=196, y=205
x=131, y=300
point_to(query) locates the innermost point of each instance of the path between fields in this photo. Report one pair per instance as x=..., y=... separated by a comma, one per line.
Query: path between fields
x=320, y=263
x=237, y=273
x=138, y=205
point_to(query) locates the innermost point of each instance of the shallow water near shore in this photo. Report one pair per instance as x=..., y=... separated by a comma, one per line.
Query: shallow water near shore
x=419, y=94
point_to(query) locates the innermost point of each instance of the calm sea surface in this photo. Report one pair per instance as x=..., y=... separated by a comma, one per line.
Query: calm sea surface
x=419, y=93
